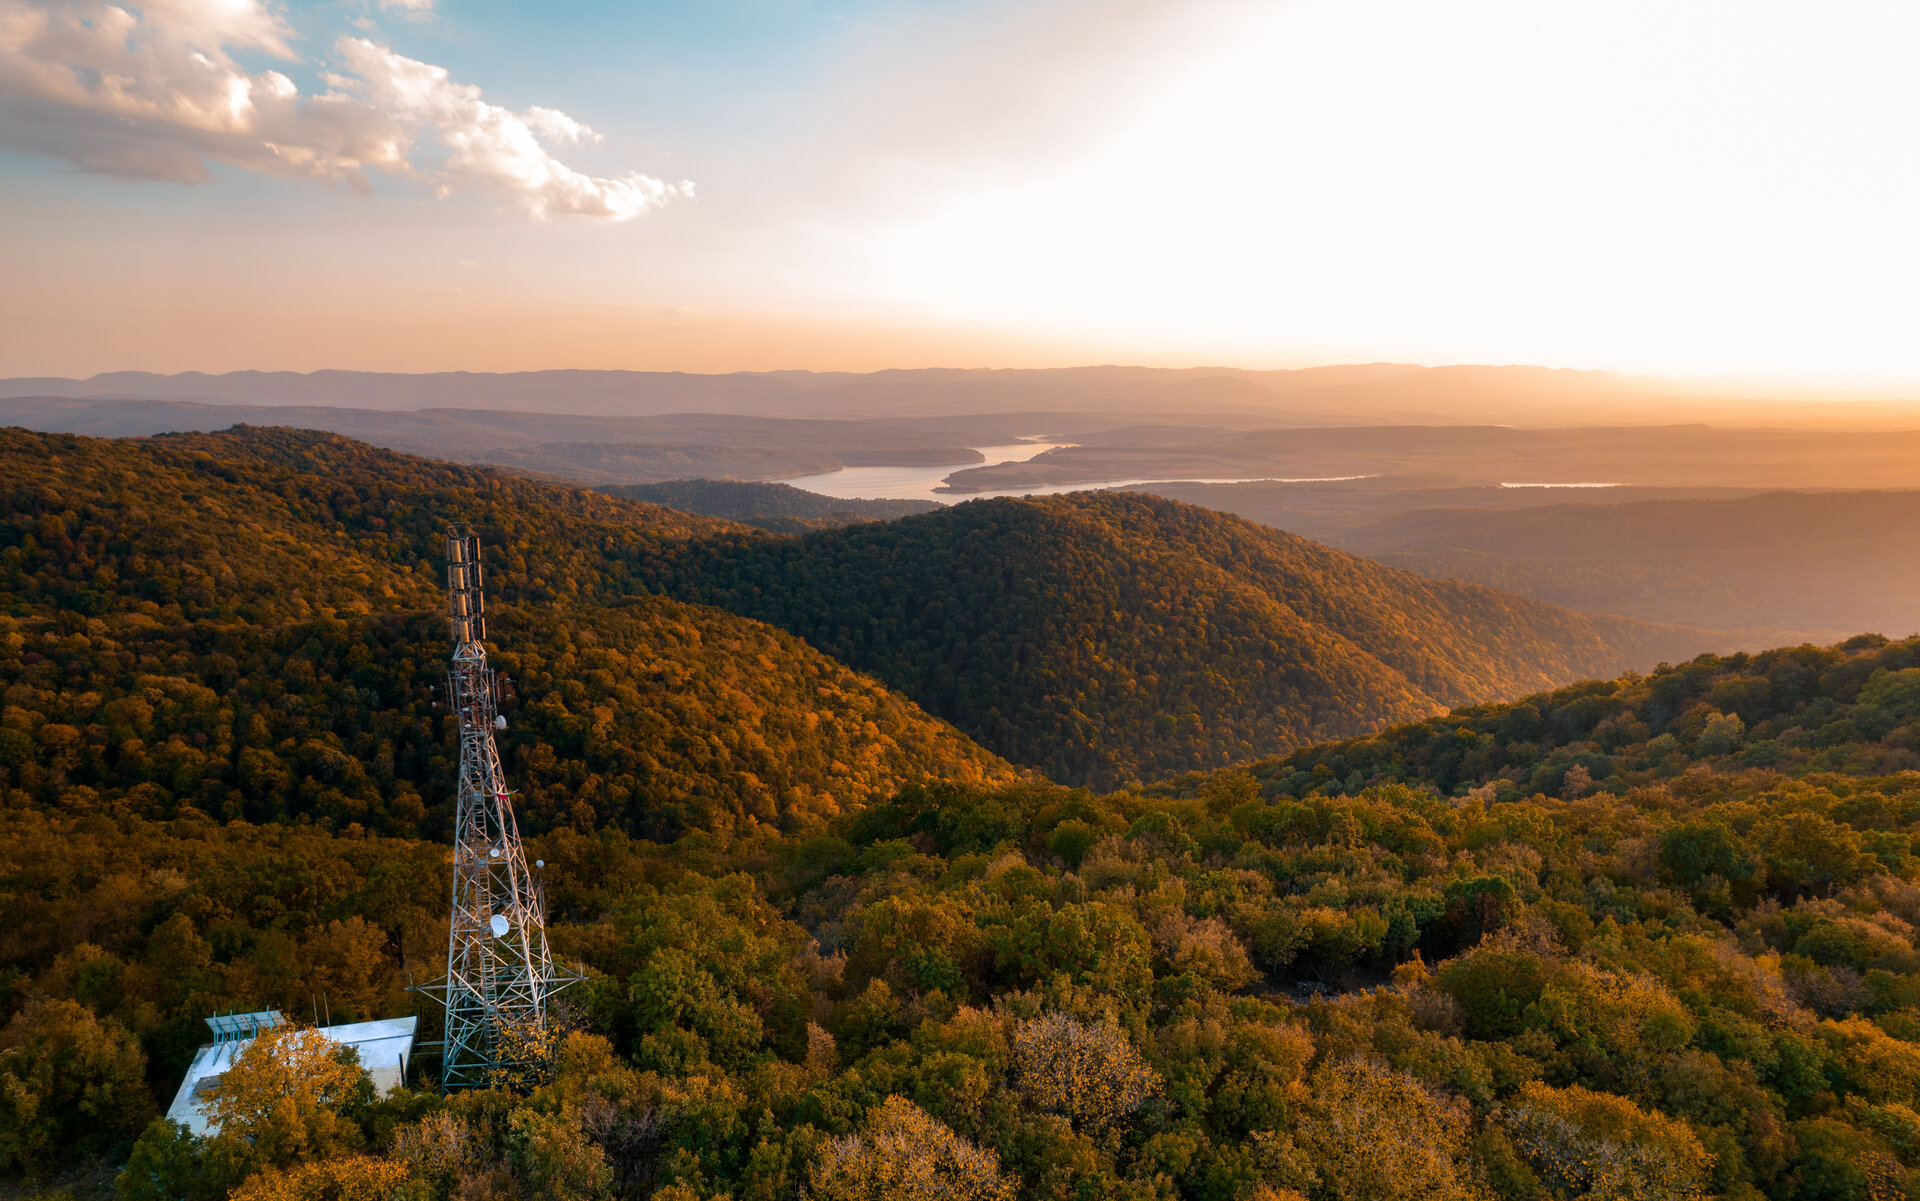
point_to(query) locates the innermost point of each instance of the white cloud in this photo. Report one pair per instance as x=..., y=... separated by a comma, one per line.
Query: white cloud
x=492, y=146
x=156, y=94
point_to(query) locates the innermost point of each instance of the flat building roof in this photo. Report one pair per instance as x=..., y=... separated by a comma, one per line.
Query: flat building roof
x=384, y=1046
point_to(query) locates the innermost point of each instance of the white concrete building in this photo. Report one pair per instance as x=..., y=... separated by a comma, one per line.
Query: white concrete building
x=383, y=1047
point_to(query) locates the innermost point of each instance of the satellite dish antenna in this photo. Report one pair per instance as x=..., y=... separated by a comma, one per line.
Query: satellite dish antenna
x=499, y=721
x=499, y=924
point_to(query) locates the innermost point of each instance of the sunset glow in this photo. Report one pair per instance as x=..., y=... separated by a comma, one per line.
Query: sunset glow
x=1691, y=189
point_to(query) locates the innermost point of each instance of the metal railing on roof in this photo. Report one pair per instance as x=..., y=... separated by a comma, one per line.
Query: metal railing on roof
x=237, y=1027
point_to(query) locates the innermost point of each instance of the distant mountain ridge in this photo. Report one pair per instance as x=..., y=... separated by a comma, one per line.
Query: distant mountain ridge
x=1825, y=564
x=1776, y=567
x=481, y=434
x=1653, y=455
x=794, y=393
x=1365, y=393
x=571, y=448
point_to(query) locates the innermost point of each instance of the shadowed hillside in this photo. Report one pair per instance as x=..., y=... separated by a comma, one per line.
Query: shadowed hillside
x=1772, y=567
x=1106, y=636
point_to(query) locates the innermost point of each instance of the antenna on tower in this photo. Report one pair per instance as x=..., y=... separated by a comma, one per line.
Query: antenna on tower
x=500, y=975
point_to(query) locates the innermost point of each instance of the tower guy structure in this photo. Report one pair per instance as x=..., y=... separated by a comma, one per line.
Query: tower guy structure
x=500, y=976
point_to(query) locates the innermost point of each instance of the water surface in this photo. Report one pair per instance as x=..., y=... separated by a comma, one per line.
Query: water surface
x=911, y=483
x=919, y=483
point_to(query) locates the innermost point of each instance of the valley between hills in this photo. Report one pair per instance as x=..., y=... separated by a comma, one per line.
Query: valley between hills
x=1327, y=878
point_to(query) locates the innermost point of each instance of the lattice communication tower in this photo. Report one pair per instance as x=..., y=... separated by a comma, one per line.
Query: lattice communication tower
x=500, y=976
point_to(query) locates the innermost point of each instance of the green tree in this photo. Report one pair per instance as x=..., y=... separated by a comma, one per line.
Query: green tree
x=70, y=1084
x=169, y=1163
x=1494, y=986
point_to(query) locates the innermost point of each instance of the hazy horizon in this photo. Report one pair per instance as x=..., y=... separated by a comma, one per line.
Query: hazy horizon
x=1777, y=386
x=1712, y=193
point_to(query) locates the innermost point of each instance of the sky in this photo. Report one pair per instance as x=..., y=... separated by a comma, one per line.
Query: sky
x=1676, y=187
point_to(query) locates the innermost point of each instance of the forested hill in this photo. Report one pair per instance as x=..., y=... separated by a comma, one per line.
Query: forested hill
x=249, y=523
x=1851, y=708
x=248, y=623
x=1101, y=638
x=1104, y=637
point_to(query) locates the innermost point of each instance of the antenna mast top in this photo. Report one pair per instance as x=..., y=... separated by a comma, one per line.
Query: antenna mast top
x=466, y=601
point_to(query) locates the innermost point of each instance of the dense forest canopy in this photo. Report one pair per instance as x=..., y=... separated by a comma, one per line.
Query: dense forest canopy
x=257, y=635
x=1707, y=985
x=1656, y=936
x=238, y=526
x=1104, y=637
x=1099, y=638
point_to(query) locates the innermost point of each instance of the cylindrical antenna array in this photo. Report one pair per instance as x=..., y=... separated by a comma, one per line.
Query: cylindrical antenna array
x=466, y=602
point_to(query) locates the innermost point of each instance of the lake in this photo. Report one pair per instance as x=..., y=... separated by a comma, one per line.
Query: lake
x=911, y=483
x=918, y=483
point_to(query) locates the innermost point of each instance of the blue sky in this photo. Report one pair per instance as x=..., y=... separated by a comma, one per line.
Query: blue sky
x=1698, y=187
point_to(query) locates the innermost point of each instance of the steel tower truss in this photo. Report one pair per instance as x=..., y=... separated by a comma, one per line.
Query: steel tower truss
x=500, y=975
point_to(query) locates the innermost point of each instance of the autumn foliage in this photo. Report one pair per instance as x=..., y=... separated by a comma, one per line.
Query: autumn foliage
x=1607, y=941
x=1088, y=1073
x=901, y=1153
